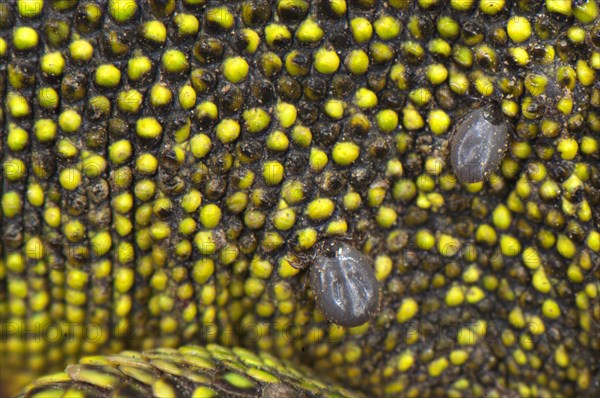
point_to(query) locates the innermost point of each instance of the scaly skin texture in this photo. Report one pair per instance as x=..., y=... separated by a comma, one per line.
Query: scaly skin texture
x=189, y=371
x=169, y=168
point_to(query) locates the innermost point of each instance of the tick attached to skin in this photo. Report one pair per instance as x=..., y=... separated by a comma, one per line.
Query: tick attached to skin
x=345, y=285
x=478, y=144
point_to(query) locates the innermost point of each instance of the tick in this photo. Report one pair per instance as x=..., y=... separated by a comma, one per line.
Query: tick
x=345, y=285
x=478, y=144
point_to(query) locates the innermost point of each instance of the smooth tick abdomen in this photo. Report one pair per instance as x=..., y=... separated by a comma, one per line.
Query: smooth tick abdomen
x=345, y=285
x=478, y=144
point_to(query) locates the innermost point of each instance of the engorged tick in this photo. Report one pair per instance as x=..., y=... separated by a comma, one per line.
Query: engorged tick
x=478, y=144
x=345, y=285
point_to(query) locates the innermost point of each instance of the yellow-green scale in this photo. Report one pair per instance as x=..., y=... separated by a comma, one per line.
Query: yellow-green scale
x=18, y=272
x=93, y=139
x=48, y=303
x=123, y=330
x=444, y=252
x=74, y=253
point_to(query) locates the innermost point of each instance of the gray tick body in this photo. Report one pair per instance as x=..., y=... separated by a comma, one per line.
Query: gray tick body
x=478, y=144
x=345, y=285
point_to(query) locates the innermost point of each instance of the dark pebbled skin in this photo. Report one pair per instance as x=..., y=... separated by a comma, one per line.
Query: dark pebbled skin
x=140, y=293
